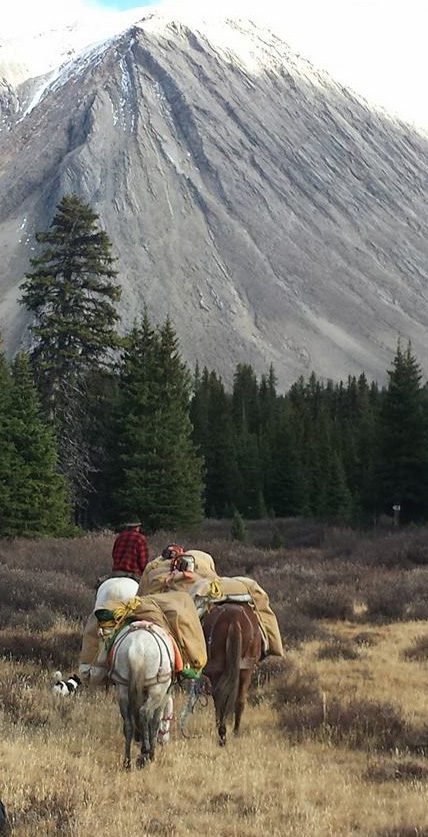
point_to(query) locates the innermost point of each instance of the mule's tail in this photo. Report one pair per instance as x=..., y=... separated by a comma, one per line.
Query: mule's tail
x=136, y=697
x=226, y=690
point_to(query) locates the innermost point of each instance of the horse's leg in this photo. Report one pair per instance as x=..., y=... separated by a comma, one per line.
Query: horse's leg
x=154, y=729
x=219, y=714
x=221, y=727
x=128, y=726
x=244, y=684
x=165, y=721
x=144, y=756
x=150, y=716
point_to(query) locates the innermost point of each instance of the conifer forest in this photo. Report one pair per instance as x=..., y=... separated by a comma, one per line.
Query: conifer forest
x=96, y=426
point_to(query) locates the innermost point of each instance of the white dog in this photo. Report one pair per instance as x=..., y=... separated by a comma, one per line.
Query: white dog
x=65, y=687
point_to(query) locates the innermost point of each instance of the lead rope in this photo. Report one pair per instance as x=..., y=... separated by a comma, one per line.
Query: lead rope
x=196, y=694
x=197, y=691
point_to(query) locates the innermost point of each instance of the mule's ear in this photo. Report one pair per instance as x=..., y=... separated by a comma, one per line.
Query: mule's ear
x=57, y=675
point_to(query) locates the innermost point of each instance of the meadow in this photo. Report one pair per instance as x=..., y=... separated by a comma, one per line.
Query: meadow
x=334, y=741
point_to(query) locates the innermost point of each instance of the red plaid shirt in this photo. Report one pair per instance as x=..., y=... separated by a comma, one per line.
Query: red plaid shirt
x=130, y=553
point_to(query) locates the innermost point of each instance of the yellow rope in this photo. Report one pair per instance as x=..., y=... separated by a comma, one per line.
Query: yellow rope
x=123, y=610
x=108, y=624
x=215, y=589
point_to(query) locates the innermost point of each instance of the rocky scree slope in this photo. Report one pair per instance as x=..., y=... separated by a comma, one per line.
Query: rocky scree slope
x=263, y=207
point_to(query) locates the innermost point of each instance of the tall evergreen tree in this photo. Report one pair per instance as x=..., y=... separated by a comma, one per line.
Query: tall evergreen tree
x=287, y=494
x=245, y=399
x=36, y=499
x=157, y=469
x=71, y=293
x=403, y=454
x=7, y=450
x=214, y=434
x=249, y=498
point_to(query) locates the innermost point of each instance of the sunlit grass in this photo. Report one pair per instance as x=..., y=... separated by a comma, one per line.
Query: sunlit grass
x=61, y=758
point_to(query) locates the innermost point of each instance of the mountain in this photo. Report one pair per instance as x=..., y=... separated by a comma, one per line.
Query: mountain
x=266, y=208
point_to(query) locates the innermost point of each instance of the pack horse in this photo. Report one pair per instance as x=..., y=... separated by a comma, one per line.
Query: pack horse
x=141, y=664
x=234, y=647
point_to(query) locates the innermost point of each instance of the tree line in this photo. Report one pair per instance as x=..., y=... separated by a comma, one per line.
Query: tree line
x=96, y=427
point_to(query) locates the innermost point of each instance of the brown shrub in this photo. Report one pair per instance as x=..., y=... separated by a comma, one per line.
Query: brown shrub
x=387, y=600
x=53, y=810
x=403, y=548
x=295, y=687
x=328, y=602
x=6, y=615
x=399, y=771
x=40, y=619
x=417, y=610
x=220, y=801
x=60, y=649
x=418, y=650
x=402, y=831
x=269, y=669
x=366, y=638
x=264, y=679
x=19, y=699
x=341, y=542
x=357, y=724
x=337, y=649
x=156, y=826
x=24, y=590
x=295, y=627
x=86, y=557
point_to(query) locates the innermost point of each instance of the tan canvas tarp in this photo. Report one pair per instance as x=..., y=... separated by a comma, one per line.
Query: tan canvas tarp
x=158, y=578
x=238, y=586
x=180, y=613
x=173, y=611
x=90, y=642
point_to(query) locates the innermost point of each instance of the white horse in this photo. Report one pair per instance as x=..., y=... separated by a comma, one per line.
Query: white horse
x=142, y=667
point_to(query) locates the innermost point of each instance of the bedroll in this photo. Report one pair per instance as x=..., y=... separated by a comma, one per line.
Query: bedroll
x=158, y=577
x=241, y=588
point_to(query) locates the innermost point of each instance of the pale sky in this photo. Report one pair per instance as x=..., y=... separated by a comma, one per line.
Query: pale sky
x=378, y=47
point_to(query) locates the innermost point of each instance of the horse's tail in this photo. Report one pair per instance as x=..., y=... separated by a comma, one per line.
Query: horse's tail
x=226, y=690
x=136, y=696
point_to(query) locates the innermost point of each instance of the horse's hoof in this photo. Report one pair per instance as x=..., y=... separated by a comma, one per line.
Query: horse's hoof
x=142, y=761
x=222, y=742
x=126, y=764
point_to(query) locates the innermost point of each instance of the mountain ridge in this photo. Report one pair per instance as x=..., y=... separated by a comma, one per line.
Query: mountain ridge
x=263, y=207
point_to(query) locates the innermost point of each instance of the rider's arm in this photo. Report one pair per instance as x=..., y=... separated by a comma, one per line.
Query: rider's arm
x=142, y=554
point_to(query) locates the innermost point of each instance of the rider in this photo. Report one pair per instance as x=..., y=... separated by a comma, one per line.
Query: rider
x=130, y=552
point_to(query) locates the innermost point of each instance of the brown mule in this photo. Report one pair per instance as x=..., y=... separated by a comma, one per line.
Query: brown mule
x=234, y=646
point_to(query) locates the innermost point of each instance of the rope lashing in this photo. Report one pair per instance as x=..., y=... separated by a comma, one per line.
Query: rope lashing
x=215, y=590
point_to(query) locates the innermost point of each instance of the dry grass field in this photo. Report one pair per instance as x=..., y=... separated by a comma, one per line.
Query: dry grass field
x=335, y=744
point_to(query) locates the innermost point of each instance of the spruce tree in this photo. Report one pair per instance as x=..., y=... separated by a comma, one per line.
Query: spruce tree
x=214, y=435
x=71, y=293
x=403, y=453
x=337, y=496
x=7, y=450
x=238, y=529
x=287, y=484
x=36, y=499
x=245, y=399
x=157, y=471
